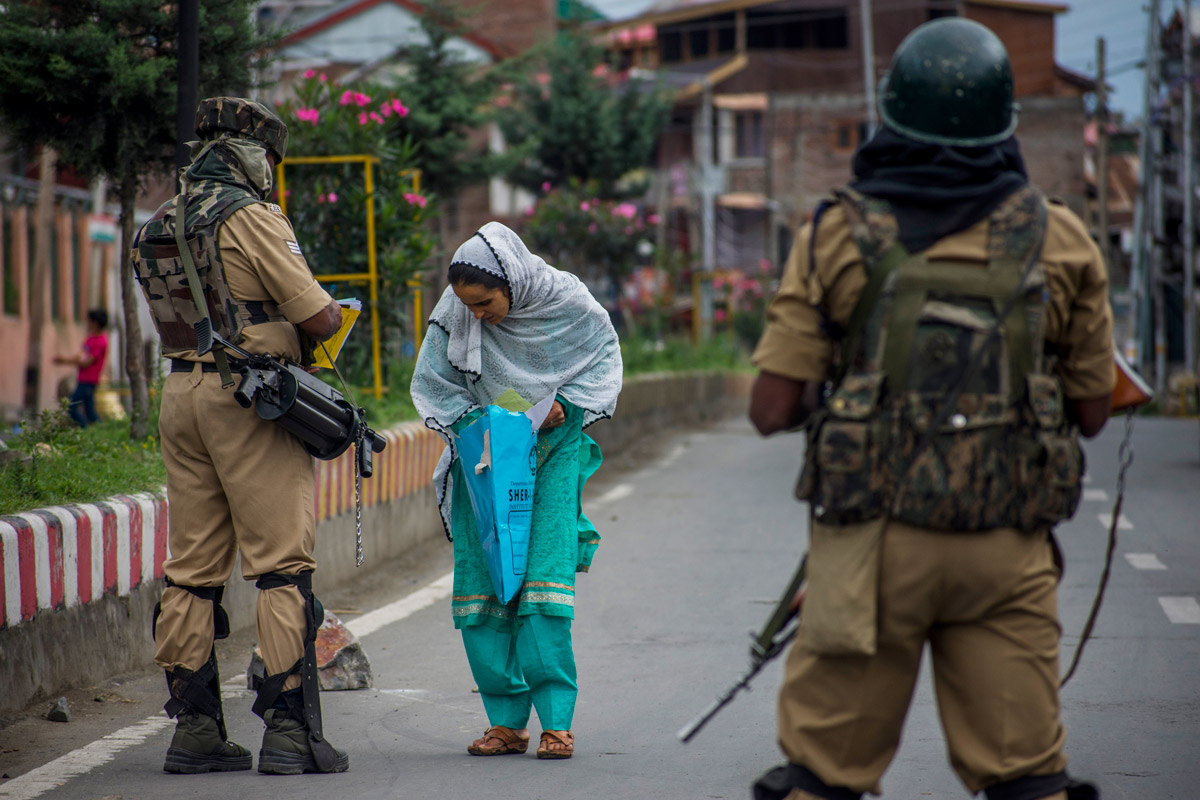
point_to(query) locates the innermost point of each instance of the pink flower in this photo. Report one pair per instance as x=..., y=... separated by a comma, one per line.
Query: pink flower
x=625, y=210
x=542, y=78
x=545, y=186
x=719, y=283
x=375, y=116
x=592, y=228
x=320, y=198
x=415, y=199
x=653, y=219
x=600, y=70
x=719, y=315
x=628, y=230
x=362, y=118
x=308, y=74
x=361, y=99
x=332, y=197
x=287, y=193
x=322, y=77
x=399, y=108
x=503, y=101
x=308, y=115
x=347, y=98
x=529, y=211
x=584, y=206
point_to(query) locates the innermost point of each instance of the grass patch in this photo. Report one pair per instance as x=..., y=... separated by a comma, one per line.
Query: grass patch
x=678, y=354
x=68, y=464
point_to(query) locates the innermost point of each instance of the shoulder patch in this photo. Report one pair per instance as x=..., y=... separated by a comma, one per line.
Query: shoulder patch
x=274, y=207
x=295, y=248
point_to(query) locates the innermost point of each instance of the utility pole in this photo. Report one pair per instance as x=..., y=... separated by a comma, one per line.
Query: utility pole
x=1140, y=273
x=1102, y=157
x=868, y=55
x=188, y=88
x=1187, y=171
x=702, y=294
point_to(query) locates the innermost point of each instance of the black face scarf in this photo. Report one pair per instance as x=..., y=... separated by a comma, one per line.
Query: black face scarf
x=936, y=190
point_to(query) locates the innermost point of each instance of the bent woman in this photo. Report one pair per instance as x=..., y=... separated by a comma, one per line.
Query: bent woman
x=510, y=321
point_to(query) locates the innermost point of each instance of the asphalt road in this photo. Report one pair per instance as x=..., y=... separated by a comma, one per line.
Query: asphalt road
x=700, y=535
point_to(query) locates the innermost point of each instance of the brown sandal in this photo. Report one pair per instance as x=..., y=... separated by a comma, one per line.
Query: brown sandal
x=510, y=742
x=549, y=738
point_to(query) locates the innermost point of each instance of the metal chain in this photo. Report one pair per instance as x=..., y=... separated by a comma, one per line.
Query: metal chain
x=358, y=545
x=1124, y=461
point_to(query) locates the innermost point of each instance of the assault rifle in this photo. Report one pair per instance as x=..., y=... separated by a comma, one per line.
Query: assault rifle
x=766, y=645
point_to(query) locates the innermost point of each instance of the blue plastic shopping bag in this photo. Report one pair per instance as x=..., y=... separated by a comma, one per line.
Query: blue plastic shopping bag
x=499, y=459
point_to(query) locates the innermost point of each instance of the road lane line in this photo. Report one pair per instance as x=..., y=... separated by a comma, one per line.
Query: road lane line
x=1096, y=495
x=53, y=775
x=618, y=492
x=1123, y=524
x=1144, y=561
x=1181, y=610
x=404, y=607
x=676, y=453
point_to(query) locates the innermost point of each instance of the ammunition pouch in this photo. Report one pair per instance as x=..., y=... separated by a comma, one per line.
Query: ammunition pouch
x=270, y=689
x=311, y=410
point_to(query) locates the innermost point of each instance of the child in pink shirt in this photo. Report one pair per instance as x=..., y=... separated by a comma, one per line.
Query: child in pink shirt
x=91, y=364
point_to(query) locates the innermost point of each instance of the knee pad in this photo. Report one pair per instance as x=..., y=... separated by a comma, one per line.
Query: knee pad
x=1034, y=786
x=211, y=593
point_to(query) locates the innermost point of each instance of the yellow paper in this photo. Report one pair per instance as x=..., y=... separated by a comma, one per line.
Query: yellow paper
x=333, y=345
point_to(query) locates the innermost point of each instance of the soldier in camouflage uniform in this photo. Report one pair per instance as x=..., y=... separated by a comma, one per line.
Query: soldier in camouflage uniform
x=938, y=288
x=236, y=483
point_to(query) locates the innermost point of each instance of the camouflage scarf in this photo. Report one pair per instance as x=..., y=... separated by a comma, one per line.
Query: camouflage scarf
x=232, y=161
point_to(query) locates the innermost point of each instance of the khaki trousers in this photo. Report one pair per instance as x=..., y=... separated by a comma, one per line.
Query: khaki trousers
x=986, y=604
x=235, y=483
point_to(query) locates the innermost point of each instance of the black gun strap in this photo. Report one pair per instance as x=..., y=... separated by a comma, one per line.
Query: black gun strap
x=194, y=285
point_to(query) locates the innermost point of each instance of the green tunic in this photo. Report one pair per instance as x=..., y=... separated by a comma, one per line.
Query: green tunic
x=562, y=539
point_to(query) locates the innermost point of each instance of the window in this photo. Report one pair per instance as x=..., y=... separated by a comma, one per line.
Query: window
x=726, y=26
x=749, y=135
x=670, y=46
x=846, y=135
x=937, y=10
x=797, y=29
x=698, y=41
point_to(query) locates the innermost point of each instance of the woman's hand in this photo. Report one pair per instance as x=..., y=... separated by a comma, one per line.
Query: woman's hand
x=556, y=416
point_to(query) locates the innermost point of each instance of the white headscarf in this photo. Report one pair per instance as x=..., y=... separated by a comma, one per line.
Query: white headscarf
x=555, y=338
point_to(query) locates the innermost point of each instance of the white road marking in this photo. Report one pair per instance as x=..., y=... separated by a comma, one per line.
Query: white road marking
x=404, y=607
x=1181, y=610
x=1144, y=561
x=618, y=492
x=1123, y=524
x=79, y=762
x=1097, y=495
x=670, y=458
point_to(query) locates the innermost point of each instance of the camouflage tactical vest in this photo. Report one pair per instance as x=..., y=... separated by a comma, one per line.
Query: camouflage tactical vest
x=1005, y=456
x=159, y=269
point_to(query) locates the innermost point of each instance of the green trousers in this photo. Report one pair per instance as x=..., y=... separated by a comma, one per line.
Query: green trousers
x=531, y=666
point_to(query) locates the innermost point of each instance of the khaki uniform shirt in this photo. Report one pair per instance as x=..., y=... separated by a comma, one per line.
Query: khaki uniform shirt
x=262, y=261
x=1078, y=323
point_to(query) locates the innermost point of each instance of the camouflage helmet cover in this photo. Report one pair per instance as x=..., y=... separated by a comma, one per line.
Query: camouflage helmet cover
x=242, y=117
x=950, y=83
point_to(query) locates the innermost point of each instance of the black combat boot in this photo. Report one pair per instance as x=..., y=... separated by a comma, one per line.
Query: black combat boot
x=198, y=746
x=287, y=750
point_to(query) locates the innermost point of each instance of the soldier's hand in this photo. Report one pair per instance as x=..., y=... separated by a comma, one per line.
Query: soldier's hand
x=798, y=599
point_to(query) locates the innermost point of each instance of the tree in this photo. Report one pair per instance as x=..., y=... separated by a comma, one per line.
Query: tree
x=574, y=118
x=96, y=80
x=450, y=98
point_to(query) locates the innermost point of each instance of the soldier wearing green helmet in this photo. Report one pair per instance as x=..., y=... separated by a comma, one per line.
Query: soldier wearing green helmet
x=943, y=332
x=236, y=483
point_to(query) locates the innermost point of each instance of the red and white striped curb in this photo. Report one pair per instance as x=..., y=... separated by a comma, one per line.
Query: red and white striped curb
x=62, y=556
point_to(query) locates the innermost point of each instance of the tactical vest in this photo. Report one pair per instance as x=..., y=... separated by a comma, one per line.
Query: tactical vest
x=1005, y=456
x=159, y=270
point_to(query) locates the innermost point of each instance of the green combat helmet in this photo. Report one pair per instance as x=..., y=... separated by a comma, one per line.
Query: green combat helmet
x=951, y=84
x=242, y=117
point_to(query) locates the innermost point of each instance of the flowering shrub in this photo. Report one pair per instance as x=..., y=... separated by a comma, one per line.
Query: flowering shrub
x=594, y=238
x=741, y=302
x=326, y=204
